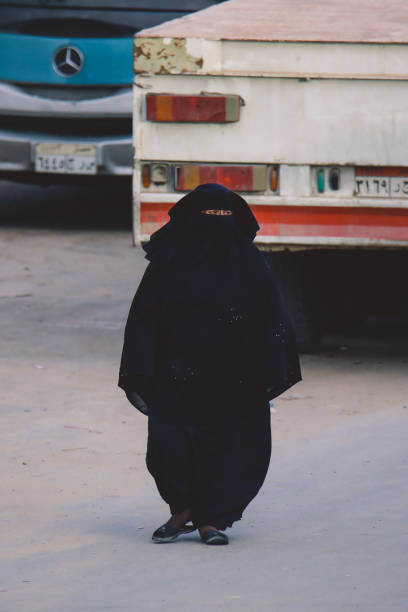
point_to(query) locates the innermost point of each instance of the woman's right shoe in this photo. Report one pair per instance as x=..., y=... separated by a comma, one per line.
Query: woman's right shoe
x=214, y=537
x=168, y=533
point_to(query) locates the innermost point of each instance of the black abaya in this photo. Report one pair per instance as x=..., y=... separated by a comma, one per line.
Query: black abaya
x=216, y=468
x=207, y=343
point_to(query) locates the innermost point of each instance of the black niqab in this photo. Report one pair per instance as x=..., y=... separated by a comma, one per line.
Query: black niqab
x=207, y=320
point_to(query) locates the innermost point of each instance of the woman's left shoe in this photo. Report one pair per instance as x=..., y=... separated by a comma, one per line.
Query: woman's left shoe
x=214, y=537
x=168, y=533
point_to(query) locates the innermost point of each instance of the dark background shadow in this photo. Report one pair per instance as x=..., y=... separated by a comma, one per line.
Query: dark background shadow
x=358, y=298
x=104, y=206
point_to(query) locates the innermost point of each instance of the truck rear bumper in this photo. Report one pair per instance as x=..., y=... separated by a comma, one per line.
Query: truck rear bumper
x=308, y=226
x=17, y=154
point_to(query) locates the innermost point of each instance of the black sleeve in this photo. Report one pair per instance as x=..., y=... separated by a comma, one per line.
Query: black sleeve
x=139, y=354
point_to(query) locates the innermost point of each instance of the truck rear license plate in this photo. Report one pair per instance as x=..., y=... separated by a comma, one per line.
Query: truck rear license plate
x=65, y=158
x=381, y=186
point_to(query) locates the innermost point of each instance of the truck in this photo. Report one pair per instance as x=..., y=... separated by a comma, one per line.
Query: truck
x=301, y=107
x=66, y=86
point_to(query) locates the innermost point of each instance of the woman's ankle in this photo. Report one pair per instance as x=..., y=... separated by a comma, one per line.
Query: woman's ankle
x=203, y=528
x=180, y=519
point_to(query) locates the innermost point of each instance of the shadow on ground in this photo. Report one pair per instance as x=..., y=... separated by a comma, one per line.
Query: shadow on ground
x=106, y=206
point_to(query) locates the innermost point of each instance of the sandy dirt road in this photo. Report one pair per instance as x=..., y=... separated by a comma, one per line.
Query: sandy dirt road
x=328, y=531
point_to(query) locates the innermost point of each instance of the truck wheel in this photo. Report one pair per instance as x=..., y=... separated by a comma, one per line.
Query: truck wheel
x=303, y=298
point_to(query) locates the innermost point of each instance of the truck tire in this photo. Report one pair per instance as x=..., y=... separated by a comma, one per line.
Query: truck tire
x=298, y=287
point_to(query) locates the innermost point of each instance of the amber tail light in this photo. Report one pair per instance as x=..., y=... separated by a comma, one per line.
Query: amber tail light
x=274, y=178
x=146, y=176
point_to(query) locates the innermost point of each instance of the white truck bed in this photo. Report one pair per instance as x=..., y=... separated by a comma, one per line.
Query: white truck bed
x=323, y=84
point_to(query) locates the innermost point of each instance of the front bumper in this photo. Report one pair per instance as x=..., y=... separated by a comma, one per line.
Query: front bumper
x=28, y=118
x=17, y=151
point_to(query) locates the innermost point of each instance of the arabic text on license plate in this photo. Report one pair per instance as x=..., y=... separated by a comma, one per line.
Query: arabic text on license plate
x=58, y=158
x=382, y=186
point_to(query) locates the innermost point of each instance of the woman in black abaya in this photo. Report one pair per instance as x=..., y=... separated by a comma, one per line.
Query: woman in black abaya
x=207, y=344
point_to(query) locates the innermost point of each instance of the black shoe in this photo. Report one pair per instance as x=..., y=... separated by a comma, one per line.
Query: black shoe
x=214, y=537
x=168, y=533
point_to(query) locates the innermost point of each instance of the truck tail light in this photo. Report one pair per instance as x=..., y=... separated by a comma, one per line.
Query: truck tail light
x=237, y=178
x=274, y=178
x=146, y=176
x=320, y=180
x=196, y=109
x=334, y=179
x=159, y=173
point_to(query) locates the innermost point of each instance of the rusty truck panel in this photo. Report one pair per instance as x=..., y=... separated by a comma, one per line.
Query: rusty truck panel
x=165, y=56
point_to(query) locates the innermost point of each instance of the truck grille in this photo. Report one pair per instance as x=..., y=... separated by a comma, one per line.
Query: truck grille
x=67, y=126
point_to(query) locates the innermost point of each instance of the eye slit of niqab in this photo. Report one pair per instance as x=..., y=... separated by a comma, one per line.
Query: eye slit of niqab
x=216, y=211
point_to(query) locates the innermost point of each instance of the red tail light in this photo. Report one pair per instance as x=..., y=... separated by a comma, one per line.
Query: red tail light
x=206, y=109
x=237, y=178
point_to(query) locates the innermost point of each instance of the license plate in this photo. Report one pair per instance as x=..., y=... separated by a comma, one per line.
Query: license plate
x=54, y=158
x=381, y=186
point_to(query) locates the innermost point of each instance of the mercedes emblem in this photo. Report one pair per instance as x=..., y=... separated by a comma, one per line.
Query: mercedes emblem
x=68, y=61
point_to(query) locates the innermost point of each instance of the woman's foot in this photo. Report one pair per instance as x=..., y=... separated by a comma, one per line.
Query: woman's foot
x=175, y=526
x=210, y=535
x=168, y=533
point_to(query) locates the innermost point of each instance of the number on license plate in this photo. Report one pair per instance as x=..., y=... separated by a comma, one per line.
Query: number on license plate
x=58, y=158
x=381, y=186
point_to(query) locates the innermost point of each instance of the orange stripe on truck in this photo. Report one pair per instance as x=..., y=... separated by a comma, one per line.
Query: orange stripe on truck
x=308, y=221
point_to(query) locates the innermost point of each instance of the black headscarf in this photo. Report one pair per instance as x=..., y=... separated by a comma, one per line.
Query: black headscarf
x=208, y=313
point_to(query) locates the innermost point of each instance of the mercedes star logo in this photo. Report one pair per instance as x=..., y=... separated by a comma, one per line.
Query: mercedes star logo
x=68, y=61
